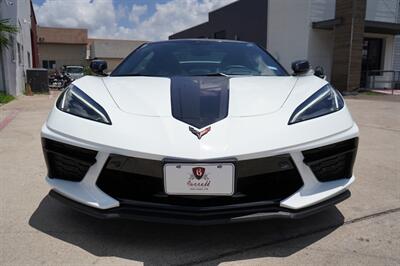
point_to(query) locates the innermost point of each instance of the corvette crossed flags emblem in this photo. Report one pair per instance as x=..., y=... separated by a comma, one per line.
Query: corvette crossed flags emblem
x=199, y=134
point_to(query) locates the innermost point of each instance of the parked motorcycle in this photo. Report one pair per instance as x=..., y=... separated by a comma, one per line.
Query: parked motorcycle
x=59, y=80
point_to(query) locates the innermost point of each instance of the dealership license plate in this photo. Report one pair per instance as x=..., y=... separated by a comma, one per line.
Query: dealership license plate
x=199, y=179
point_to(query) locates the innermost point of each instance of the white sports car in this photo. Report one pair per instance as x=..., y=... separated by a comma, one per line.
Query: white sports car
x=200, y=132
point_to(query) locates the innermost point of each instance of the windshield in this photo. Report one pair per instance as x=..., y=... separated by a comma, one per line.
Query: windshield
x=199, y=58
x=74, y=69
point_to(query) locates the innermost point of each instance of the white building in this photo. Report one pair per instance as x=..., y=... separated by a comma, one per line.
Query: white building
x=111, y=50
x=311, y=24
x=18, y=56
x=345, y=37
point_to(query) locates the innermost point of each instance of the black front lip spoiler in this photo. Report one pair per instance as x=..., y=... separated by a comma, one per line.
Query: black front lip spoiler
x=141, y=213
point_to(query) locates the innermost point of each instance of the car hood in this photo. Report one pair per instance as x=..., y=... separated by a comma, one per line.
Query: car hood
x=154, y=96
x=156, y=136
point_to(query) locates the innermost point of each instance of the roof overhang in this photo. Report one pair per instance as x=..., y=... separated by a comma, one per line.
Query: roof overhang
x=326, y=24
x=369, y=26
x=382, y=27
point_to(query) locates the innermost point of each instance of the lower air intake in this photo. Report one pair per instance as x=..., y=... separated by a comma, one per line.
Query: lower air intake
x=333, y=161
x=267, y=179
x=67, y=162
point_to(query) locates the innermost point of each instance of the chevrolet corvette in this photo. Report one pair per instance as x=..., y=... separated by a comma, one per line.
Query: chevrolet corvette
x=200, y=132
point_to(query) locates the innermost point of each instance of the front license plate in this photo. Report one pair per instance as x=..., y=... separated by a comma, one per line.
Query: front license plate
x=199, y=179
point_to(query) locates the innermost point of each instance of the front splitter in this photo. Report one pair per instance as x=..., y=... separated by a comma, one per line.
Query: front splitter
x=162, y=213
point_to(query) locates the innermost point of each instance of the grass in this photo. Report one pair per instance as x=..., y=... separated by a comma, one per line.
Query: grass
x=5, y=98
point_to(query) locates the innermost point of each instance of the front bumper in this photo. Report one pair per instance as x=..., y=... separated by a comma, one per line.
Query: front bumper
x=143, y=211
x=312, y=195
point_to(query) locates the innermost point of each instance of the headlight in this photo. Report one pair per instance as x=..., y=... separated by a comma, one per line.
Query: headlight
x=76, y=102
x=325, y=101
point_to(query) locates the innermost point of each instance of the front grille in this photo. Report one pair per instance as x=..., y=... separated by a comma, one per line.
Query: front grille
x=65, y=161
x=270, y=186
x=333, y=161
x=274, y=179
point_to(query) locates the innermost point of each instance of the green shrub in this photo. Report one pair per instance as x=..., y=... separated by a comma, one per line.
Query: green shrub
x=5, y=98
x=87, y=70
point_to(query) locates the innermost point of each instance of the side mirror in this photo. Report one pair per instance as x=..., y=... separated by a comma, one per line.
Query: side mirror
x=319, y=72
x=98, y=67
x=300, y=67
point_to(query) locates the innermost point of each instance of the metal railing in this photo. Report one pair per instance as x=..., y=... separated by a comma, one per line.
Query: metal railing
x=382, y=80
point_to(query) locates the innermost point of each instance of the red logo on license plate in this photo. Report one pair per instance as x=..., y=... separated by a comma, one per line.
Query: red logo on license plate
x=199, y=172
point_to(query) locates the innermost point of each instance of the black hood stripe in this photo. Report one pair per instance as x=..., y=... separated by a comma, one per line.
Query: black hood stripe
x=199, y=101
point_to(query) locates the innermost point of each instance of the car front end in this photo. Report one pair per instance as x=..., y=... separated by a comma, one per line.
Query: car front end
x=75, y=72
x=117, y=150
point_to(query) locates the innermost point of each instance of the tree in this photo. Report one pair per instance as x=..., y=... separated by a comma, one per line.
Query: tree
x=5, y=29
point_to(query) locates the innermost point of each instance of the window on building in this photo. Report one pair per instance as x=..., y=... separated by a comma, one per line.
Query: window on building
x=12, y=46
x=19, y=53
x=22, y=55
x=29, y=59
x=49, y=64
x=220, y=34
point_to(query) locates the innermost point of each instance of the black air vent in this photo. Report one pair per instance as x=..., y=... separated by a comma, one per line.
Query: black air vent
x=333, y=161
x=67, y=162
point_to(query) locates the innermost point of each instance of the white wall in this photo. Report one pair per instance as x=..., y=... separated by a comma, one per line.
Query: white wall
x=378, y=10
x=8, y=66
x=322, y=9
x=288, y=30
x=396, y=54
x=382, y=10
x=24, y=40
x=19, y=13
x=290, y=34
x=320, y=50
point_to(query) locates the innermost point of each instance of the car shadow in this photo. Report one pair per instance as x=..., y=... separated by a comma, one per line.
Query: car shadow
x=166, y=244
